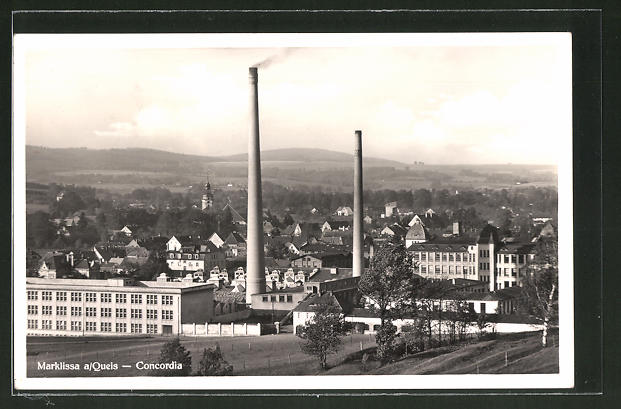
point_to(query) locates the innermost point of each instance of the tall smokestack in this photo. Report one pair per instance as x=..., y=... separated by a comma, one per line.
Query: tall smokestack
x=358, y=251
x=255, y=262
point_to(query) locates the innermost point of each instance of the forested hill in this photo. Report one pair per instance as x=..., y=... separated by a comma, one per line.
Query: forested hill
x=42, y=160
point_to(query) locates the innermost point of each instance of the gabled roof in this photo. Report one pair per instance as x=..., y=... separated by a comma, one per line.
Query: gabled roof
x=237, y=218
x=517, y=248
x=488, y=230
x=417, y=232
x=311, y=303
x=82, y=264
x=234, y=238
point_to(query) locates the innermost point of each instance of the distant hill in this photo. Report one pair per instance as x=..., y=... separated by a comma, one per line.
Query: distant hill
x=42, y=160
x=311, y=155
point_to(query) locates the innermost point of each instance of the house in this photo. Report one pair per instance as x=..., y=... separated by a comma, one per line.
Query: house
x=83, y=267
x=216, y=240
x=394, y=230
x=367, y=219
x=305, y=310
x=267, y=227
x=330, y=225
x=344, y=211
x=319, y=260
x=237, y=218
x=54, y=265
x=417, y=233
x=235, y=245
x=187, y=253
x=390, y=209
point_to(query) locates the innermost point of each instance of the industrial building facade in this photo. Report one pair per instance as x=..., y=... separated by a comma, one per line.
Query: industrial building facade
x=76, y=307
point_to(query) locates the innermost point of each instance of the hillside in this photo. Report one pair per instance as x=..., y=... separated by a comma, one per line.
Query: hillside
x=524, y=355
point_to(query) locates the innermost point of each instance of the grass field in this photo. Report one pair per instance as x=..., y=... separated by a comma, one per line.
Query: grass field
x=266, y=355
x=524, y=354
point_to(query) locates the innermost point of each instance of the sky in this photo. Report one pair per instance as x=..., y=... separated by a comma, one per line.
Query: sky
x=467, y=99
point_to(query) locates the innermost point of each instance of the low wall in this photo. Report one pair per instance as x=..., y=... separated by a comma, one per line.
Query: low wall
x=219, y=329
x=500, y=327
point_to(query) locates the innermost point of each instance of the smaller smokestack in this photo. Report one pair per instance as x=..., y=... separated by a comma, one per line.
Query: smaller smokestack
x=358, y=250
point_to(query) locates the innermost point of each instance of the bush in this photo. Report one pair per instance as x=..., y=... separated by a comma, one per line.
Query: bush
x=173, y=351
x=213, y=364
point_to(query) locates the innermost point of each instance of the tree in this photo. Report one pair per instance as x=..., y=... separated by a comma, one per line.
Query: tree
x=322, y=333
x=173, y=351
x=540, y=290
x=213, y=364
x=387, y=285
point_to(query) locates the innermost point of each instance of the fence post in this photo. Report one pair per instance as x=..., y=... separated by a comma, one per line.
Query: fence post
x=506, y=359
x=232, y=329
x=361, y=345
x=249, y=347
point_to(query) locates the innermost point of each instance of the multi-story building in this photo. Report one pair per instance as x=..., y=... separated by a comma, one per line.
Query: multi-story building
x=512, y=260
x=445, y=260
x=75, y=307
x=191, y=255
x=474, y=260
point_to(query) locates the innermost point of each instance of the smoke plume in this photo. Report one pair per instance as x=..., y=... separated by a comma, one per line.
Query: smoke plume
x=274, y=58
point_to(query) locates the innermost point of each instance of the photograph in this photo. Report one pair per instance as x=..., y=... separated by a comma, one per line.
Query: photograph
x=293, y=210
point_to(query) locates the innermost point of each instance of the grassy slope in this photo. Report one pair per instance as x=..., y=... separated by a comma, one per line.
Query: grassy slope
x=524, y=354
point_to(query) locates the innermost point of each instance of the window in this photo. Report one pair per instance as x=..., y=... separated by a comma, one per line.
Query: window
x=506, y=272
x=91, y=311
x=437, y=269
x=33, y=324
x=76, y=297
x=167, y=314
x=151, y=314
x=507, y=260
x=273, y=298
x=61, y=310
x=443, y=256
x=416, y=257
x=265, y=298
x=289, y=298
x=521, y=258
x=136, y=328
x=90, y=297
x=135, y=313
x=61, y=296
x=121, y=313
x=451, y=257
x=281, y=298
x=76, y=325
x=136, y=298
x=33, y=310
x=450, y=269
x=513, y=272
x=33, y=295
x=121, y=327
x=46, y=310
x=61, y=325
x=423, y=269
x=151, y=299
x=106, y=327
x=76, y=311
x=423, y=257
x=106, y=297
x=106, y=312
x=167, y=300
x=46, y=296
x=465, y=270
x=91, y=326
x=151, y=328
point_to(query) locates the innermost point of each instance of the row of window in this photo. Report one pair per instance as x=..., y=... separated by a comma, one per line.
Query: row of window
x=462, y=257
x=511, y=258
x=178, y=256
x=104, y=297
x=424, y=269
x=507, y=271
x=281, y=298
x=91, y=326
x=104, y=312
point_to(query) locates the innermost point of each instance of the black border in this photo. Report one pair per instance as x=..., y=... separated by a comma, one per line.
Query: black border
x=585, y=25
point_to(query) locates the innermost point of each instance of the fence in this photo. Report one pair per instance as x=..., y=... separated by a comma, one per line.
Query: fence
x=219, y=329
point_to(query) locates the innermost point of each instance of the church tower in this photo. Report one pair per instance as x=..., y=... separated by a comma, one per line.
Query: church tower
x=207, y=200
